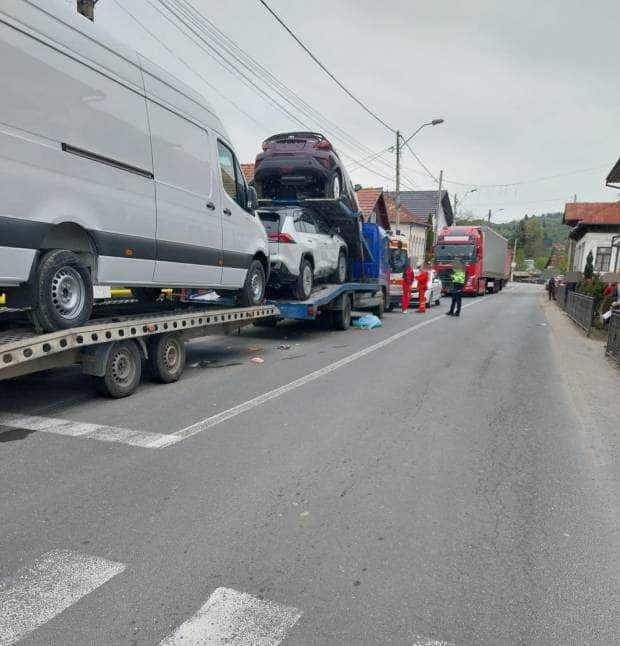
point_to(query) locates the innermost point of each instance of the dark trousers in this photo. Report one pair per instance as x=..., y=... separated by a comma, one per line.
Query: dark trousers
x=457, y=297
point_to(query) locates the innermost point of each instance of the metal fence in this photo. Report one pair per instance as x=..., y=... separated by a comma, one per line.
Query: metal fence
x=580, y=308
x=560, y=295
x=613, y=338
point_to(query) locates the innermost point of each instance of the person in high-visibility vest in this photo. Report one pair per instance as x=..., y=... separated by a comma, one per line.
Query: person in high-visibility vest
x=407, y=283
x=422, y=278
x=458, y=283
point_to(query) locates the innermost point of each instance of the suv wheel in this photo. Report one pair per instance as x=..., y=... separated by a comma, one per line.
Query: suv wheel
x=334, y=187
x=305, y=281
x=340, y=275
x=253, y=292
x=64, y=291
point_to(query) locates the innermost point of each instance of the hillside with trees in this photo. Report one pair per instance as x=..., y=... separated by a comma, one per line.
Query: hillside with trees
x=536, y=235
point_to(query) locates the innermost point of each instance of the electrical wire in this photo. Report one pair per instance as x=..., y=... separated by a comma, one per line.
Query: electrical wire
x=318, y=62
x=189, y=67
x=528, y=181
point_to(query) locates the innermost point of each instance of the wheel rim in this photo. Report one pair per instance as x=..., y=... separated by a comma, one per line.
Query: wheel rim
x=306, y=279
x=171, y=356
x=256, y=286
x=342, y=268
x=336, y=187
x=68, y=293
x=123, y=368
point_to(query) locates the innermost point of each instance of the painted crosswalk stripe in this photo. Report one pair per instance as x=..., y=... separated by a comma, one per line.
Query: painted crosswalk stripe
x=231, y=618
x=98, y=432
x=42, y=590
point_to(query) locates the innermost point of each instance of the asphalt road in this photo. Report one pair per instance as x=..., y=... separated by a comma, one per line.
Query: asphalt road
x=432, y=489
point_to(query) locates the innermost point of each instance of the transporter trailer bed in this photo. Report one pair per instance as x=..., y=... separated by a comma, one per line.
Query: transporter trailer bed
x=113, y=350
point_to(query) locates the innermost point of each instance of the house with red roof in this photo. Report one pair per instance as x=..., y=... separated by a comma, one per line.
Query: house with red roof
x=596, y=229
x=248, y=171
x=372, y=206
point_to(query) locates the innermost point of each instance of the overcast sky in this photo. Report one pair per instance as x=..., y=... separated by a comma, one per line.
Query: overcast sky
x=527, y=89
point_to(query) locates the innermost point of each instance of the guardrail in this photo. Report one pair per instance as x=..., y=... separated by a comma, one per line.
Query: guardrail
x=613, y=339
x=580, y=308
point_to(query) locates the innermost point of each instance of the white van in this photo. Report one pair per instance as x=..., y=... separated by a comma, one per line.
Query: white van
x=112, y=172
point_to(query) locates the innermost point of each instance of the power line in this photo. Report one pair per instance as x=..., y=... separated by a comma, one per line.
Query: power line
x=318, y=62
x=528, y=181
x=191, y=23
x=190, y=68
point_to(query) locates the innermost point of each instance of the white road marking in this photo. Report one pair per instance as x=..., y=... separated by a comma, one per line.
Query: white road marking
x=231, y=618
x=84, y=429
x=214, y=420
x=51, y=584
x=431, y=642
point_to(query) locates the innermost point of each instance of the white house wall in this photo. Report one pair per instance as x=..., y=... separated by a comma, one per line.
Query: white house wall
x=590, y=242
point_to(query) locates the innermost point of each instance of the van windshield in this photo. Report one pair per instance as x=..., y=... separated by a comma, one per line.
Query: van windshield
x=449, y=252
x=398, y=259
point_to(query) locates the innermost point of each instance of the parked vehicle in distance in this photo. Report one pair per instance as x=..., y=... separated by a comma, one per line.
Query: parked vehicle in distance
x=483, y=252
x=297, y=165
x=302, y=250
x=113, y=173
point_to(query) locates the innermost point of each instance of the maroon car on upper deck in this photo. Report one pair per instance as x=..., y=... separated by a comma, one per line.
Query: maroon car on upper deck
x=301, y=165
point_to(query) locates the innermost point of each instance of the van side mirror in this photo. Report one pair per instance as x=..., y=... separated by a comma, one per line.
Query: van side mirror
x=251, y=199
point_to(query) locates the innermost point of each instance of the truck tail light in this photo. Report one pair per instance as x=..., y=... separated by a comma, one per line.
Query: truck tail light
x=280, y=237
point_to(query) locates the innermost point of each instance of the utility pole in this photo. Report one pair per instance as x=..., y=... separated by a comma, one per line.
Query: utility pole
x=87, y=8
x=438, y=205
x=513, y=262
x=397, y=179
x=489, y=216
x=456, y=204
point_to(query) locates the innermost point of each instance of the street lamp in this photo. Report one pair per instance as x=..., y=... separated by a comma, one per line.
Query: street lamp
x=400, y=142
x=489, y=217
x=456, y=199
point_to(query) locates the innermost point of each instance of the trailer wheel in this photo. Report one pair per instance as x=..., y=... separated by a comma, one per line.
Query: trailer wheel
x=378, y=310
x=123, y=371
x=63, y=290
x=167, y=358
x=342, y=318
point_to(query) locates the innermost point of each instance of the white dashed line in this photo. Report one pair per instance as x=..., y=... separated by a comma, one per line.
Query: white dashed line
x=214, y=420
x=231, y=618
x=431, y=642
x=84, y=429
x=53, y=582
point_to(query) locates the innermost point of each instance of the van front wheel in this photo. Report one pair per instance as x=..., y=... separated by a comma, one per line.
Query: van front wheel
x=63, y=290
x=253, y=292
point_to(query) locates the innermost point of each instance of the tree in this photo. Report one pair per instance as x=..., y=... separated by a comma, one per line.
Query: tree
x=588, y=272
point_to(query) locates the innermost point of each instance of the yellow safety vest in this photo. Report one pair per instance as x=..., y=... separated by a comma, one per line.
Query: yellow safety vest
x=458, y=277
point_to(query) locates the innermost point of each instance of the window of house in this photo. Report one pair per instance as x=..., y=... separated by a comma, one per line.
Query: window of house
x=603, y=259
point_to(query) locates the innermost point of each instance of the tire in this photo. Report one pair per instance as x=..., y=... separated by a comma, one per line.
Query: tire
x=123, y=371
x=340, y=275
x=379, y=309
x=63, y=291
x=333, y=190
x=253, y=292
x=342, y=318
x=305, y=281
x=167, y=358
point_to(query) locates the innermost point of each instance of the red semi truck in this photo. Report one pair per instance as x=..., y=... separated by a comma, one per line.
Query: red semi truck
x=483, y=252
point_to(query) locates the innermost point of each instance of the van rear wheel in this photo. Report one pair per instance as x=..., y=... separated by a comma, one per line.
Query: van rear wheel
x=253, y=292
x=63, y=291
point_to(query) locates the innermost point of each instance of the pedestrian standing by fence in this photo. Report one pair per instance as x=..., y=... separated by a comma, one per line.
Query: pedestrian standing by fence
x=458, y=282
x=407, y=283
x=551, y=288
x=422, y=278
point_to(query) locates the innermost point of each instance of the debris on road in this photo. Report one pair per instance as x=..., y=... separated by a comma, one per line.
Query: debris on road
x=367, y=322
x=257, y=360
x=284, y=346
x=254, y=348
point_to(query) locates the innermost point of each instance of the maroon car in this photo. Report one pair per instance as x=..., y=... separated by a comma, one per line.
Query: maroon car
x=301, y=164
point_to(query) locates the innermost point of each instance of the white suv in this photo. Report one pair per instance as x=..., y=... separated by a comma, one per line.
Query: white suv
x=303, y=249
